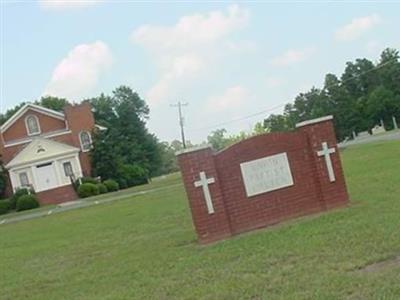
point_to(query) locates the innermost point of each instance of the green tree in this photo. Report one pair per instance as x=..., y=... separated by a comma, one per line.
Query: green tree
x=389, y=70
x=126, y=147
x=217, y=139
x=275, y=123
x=364, y=93
x=54, y=103
x=259, y=128
x=10, y=112
x=382, y=104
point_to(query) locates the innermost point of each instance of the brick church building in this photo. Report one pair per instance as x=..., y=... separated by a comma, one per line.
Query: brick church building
x=45, y=149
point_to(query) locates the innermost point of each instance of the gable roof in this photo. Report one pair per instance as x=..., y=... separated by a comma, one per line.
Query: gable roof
x=34, y=107
x=41, y=149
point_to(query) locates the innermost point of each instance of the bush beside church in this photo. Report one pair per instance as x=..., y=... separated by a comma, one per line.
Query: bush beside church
x=22, y=199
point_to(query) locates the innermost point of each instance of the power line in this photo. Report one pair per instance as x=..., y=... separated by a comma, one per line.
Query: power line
x=181, y=120
x=284, y=104
x=242, y=118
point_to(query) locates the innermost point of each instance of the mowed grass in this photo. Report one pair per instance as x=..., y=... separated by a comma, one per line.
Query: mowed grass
x=145, y=247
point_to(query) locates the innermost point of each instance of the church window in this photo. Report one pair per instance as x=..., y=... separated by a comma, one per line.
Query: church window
x=32, y=125
x=86, y=141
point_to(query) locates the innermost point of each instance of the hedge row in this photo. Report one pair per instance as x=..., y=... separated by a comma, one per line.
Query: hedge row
x=92, y=188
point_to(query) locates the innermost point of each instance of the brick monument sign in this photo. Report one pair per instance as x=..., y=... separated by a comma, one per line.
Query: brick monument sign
x=263, y=180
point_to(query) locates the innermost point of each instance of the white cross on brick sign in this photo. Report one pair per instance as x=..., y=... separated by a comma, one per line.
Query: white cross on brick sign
x=326, y=152
x=204, y=182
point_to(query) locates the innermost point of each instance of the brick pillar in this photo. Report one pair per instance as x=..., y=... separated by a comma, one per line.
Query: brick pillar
x=211, y=223
x=332, y=186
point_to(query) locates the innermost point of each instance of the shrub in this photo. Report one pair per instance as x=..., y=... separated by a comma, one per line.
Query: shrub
x=26, y=202
x=18, y=193
x=111, y=185
x=5, y=206
x=122, y=183
x=102, y=188
x=83, y=180
x=133, y=174
x=89, y=180
x=87, y=190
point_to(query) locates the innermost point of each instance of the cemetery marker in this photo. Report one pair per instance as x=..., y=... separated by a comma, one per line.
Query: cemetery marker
x=263, y=180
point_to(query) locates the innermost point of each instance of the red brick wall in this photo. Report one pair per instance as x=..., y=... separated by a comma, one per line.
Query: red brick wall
x=80, y=117
x=234, y=211
x=18, y=129
x=57, y=195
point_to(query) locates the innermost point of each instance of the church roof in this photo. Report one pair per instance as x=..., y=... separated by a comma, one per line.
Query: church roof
x=41, y=149
x=34, y=107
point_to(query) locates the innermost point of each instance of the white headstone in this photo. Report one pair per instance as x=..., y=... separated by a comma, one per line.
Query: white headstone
x=378, y=129
x=266, y=174
x=394, y=122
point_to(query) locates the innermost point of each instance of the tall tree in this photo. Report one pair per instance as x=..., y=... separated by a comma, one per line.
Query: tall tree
x=130, y=150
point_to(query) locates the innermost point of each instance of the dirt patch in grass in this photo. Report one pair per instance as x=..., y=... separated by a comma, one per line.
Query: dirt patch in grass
x=382, y=265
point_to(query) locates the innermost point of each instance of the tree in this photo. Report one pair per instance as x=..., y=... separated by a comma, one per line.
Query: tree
x=276, y=123
x=217, y=139
x=364, y=93
x=382, y=104
x=10, y=112
x=103, y=110
x=259, y=129
x=389, y=70
x=53, y=103
x=126, y=148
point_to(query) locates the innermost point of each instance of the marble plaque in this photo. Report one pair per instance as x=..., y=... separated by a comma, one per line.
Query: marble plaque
x=266, y=174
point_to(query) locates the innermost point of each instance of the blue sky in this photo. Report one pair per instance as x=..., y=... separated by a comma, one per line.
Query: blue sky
x=226, y=59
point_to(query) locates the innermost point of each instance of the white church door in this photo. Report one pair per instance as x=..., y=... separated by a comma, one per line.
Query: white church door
x=45, y=177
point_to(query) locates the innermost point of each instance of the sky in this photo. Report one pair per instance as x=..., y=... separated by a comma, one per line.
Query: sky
x=234, y=63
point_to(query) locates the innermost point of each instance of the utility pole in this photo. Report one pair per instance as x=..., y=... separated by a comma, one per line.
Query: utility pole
x=181, y=122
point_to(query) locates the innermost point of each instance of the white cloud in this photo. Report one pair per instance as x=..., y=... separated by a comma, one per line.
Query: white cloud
x=66, y=4
x=78, y=73
x=190, y=31
x=233, y=98
x=180, y=70
x=357, y=27
x=291, y=57
x=185, y=49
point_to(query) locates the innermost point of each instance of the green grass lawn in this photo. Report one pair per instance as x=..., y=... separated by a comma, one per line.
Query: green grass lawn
x=145, y=247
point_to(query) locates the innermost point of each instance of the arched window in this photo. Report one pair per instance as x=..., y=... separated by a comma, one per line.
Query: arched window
x=32, y=125
x=86, y=141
